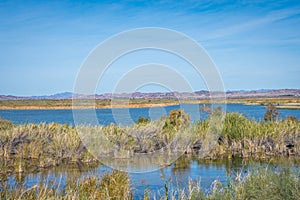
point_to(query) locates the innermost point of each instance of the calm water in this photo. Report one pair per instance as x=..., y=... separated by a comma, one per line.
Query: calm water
x=107, y=116
x=176, y=175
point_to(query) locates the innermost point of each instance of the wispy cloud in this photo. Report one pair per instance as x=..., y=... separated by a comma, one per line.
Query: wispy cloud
x=252, y=24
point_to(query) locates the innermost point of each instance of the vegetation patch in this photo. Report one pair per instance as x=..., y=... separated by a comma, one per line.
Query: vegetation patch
x=46, y=145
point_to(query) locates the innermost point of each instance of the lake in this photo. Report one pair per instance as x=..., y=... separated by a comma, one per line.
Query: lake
x=108, y=116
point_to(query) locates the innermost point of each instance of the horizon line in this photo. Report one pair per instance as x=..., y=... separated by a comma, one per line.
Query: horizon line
x=72, y=93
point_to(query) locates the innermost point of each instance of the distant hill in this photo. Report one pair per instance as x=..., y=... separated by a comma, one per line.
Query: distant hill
x=63, y=95
x=11, y=97
x=203, y=94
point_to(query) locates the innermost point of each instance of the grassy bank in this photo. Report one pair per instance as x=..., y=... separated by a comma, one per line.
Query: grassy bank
x=52, y=104
x=249, y=138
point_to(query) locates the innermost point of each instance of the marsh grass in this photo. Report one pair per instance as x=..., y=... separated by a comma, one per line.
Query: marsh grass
x=5, y=124
x=41, y=145
x=45, y=145
x=237, y=127
x=261, y=183
x=112, y=186
x=250, y=138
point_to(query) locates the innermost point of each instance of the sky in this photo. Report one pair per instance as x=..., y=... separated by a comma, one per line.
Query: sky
x=254, y=44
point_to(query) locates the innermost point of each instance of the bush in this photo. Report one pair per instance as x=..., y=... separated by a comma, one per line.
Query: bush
x=235, y=126
x=272, y=113
x=291, y=118
x=142, y=121
x=177, y=119
x=5, y=124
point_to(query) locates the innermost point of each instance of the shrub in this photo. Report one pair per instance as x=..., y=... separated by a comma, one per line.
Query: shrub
x=142, y=121
x=272, y=113
x=115, y=185
x=235, y=126
x=177, y=119
x=291, y=118
x=5, y=124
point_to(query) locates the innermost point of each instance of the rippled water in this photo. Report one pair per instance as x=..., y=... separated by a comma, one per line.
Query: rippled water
x=105, y=116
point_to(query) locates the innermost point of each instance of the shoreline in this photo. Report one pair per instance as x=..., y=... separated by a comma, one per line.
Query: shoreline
x=279, y=107
x=66, y=104
x=85, y=107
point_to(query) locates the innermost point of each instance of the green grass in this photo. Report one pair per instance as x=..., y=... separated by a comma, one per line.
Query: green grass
x=238, y=127
x=261, y=184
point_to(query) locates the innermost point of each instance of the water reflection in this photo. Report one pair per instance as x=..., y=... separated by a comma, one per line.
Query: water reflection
x=176, y=175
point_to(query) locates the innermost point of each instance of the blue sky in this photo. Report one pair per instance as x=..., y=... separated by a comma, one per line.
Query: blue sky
x=254, y=44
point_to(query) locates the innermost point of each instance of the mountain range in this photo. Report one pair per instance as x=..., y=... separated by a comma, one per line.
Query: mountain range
x=203, y=94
